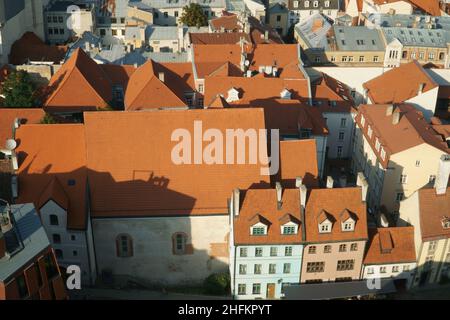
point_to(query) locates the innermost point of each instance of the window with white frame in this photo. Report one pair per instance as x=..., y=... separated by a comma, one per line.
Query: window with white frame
x=406, y=268
x=403, y=178
x=341, y=135
x=295, y=4
x=287, y=268
x=395, y=269
x=288, y=251
x=342, y=248
x=272, y=268
x=417, y=163
x=259, y=230
x=363, y=121
x=383, y=269
x=377, y=144
x=312, y=249
x=242, y=269
x=243, y=252
x=257, y=268
x=370, y=270
x=327, y=4
x=290, y=229
x=343, y=122
x=325, y=226
x=432, y=247
x=258, y=252
x=383, y=154
x=369, y=131
x=432, y=178
x=399, y=196
x=348, y=225
x=273, y=251
x=242, y=289
x=306, y=4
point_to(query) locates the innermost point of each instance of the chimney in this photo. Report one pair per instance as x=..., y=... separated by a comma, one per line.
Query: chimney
x=298, y=182
x=161, y=76
x=236, y=202
x=441, y=182
x=5, y=220
x=266, y=35
x=384, y=223
x=330, y=182
x=279, y=193
x=2, y=245
x=396, y=117
x=389, y=110
x=303, y=192
x=87, y=47
x=421, y=87
x=362, y=182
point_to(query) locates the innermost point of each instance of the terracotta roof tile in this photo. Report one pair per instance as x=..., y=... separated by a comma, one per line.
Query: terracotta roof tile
x=390, y=245
x=379, y=93
x=433, y=208
x=264, y=202
x=8, y=115
x=225, y=23
x=218, y=102
x=324, y=200
x=54, y=191
x=31, y=47
x=80, y=83
x=44, y=155
x=331, y=95
x=146, y=182
x=218, y=38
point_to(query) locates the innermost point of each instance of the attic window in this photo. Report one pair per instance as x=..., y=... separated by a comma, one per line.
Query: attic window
x=325, y=227
x=348, y=226
x=71, y=182
x=258, y=231
x=446, y=222
x=289, y=230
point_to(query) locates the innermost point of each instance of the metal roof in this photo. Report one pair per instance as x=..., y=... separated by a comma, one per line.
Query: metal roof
x=161, y=33
x=318, y=37
x=358, y=39
x=161, y=4
x=436, y=38
x=409, y=21
x=30, y=241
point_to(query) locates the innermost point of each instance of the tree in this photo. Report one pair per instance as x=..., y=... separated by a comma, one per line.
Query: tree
x=19, y=90
x=217, y=284
x=193, y=16
x=48, y=119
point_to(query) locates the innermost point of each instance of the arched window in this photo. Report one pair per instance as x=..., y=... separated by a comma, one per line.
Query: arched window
x=179, y=240
x=124, y=245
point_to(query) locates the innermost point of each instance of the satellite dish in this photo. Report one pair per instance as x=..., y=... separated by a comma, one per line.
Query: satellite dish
x=11, y=144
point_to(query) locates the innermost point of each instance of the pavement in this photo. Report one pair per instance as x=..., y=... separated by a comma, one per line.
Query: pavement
x=136, y=294
x=436, y=292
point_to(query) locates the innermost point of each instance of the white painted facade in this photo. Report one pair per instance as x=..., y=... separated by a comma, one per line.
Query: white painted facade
x=395, y=271
x=399, y=7
x=426, y=102
x=74, y=245
x=153, y=260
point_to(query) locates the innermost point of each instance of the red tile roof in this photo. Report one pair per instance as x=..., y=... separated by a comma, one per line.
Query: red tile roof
x=324, y=200
x=79, y=84
x=31, y=47
x=146, y=91
x=379, y=93
x=8, y=115
x=412, y=129
x=390, y=245
x=433, y=209
x=129, y=178
x=331, y=95
x=225, y=23
x=263, y=203
x=218, y=38
x=44, y=156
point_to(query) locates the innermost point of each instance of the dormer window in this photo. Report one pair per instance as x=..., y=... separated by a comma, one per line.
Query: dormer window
x=290, y=229
x=325, y=222
x=363, y=121
x=348, y=225
x=259, y=231
x=289, y=224
x=348, y=221
x=325, y=227
x=369, y=131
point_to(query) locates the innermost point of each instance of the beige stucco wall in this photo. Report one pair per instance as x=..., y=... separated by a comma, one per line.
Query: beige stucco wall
x=331, y=260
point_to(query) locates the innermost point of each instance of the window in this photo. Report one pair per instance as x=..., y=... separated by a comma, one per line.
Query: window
x=375, y=59
x=272, y=268
x=122, y=20
x=327, y=4
x=377, y=144
x=344, y=58
x=258, y=231
x=343, y=122
x=113, y=20
x=124, y=246
x=317, y=59
x=441, y=56
x=306, y=4
x=312, y=267
x=256, y=288
x=370, y=270
x=382, y=269
x=49, y=18
x=243, y=252
x=395, y=269
x=289, y=230
x=278, y=18
x=354, y=247
x=431, y=56
x=312, y=250
x=421, y=55
x=326, y=227
x=341, y=135
x=287, y=268
x=114, y=32
x=295, y=4
x=273, y=251
x=55, y=19
x=59, y=254
x=327, y=249
x=288, y=251
x=333, y=59
x=102, y=32
x=406, y=268
x=60, y=19
x=432, y=178
x=242, y=269
x=344, y=265
x=73, y=237
x=360, y=42
x=50, y=267
x=432, y=247
x=383, y=154
x=403, y=178
x=350, y=59
x=54, y=220
x=75, y=253
x=399, y=196
x=417, y=163
x=22, y=286
x=61, y=31
x=343, y=248
x=258, y=252
x=363, y=121
x=241, y=289
x=413, y=55
x=200, y=88
x=316, y=4
x=348, y=226
x=56, y=238
x=50, y=31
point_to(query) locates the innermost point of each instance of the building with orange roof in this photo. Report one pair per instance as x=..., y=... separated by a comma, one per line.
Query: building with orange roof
x=9, y=115
x=391, y=253
x=428, y=210
x=420, y=90
x=266, y=241
x=28, y=268
x=54, y=178
x=336, y=234
x=398, y=151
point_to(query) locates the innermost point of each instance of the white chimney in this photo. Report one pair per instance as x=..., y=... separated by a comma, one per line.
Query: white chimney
x=421, y=87
x=383, y=221
x=396, y=117
x=161, y=76
x=236, y=202
x=17, y=122
x=389, y=110
x=298, y=182
x=285, y=94
x=441, y=182
x=362, y=182
x=279, y=191
x=303, y=192
x=330, y=182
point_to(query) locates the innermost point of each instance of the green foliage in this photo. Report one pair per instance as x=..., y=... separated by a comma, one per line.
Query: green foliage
x=217, y=284
x=48, y=119
x=19, y=90
x=193, y=16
